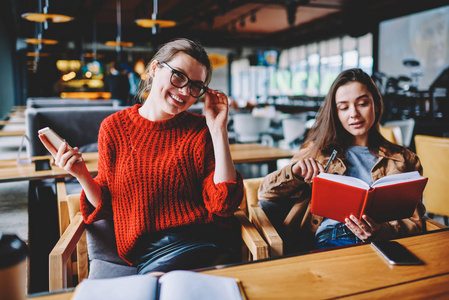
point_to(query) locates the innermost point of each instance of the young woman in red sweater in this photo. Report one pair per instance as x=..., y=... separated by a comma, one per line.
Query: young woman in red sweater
x=165, y=175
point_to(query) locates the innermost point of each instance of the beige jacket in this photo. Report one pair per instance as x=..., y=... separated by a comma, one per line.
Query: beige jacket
x=301, y=224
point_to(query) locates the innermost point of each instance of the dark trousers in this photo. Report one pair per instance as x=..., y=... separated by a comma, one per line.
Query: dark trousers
x=189, y=247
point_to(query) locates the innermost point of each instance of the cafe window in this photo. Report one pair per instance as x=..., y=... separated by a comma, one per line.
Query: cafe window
x=365, y=49
x=313, y=83
x=299, y=77
x=330, y=68
x=306, y=70
x=350, y=59
x=261, y=82
x=330, y=63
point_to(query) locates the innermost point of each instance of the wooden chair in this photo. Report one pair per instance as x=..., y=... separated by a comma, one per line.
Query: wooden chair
x=406, y=127
x=64, y=264
x=259, y=218
x=392, y=134
x=266, y=229
x=433, y=153
x=249, y=128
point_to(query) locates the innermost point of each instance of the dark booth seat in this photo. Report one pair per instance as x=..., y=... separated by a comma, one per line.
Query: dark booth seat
x=79, y=126
x=60, y=102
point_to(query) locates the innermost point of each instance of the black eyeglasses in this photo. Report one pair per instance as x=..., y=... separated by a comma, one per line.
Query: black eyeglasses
x=180, y=80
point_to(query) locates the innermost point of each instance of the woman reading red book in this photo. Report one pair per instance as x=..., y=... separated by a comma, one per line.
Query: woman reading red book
x=348, y=123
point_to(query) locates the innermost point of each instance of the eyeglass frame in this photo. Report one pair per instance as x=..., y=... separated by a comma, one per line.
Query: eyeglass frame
x=189, y=81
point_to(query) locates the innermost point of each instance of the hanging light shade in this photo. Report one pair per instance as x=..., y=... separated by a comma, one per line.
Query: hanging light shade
x=37, y=41
x=154, y=23
x=148, y=23
x=118, y=43
x=93, y=55
x=37, y=54
x=43, y=15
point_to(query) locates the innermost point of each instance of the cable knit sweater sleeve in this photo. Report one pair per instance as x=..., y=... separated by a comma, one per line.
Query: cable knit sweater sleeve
x=224, y=198
x=105, y=166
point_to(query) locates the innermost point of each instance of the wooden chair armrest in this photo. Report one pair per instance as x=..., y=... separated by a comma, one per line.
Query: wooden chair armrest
x=63, y=209
x=432, y=224
x=61, y=253
x=251, y=237
x=266, y=229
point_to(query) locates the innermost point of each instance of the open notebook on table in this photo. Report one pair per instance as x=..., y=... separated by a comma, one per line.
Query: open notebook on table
x=174, y=285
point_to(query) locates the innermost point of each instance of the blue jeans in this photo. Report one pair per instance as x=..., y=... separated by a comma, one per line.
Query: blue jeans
x=340, y=235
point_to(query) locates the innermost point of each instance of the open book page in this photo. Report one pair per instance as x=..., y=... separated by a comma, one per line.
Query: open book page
x=397, y=178
x=135, y=287
x=187, y=285
x=348, y=180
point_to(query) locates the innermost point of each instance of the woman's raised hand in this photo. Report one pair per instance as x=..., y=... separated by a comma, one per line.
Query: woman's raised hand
x=307, y=169
x=216, y=109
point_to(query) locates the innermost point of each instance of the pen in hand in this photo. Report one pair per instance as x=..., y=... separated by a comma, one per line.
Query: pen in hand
x=331, y=158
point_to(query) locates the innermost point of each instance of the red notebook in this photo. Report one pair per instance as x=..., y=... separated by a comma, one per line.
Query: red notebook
x=392, y=197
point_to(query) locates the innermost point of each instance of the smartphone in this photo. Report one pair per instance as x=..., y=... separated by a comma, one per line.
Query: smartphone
x=395, y=253
x=52, y=137
x=42, y=165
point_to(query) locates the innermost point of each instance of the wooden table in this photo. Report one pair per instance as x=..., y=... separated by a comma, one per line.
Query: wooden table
x=241, y=153
x=12, y=132
x=11, y=171
x=9, y=122
x=357, y=272
x=257, y=153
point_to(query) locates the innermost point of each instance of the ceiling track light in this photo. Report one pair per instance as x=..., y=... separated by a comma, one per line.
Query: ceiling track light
x=234, y=26
x=291, y=8
x=242, y=21
x=252, y=17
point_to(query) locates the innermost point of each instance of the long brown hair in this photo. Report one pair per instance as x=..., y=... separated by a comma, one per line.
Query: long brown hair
x=166, y=53
x=328, y=133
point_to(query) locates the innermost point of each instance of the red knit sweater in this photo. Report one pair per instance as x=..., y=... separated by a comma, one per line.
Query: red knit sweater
x=157, y=175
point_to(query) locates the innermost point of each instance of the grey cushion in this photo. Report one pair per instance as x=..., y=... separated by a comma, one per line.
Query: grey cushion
x=104, y=269
x=101, y=243
x=79, y=126
x=104, y=261
x=92, y=147
x=58, y=102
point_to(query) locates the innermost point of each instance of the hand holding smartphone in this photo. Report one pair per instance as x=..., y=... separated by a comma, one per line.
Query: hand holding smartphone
x=395, y=253
x=53, y=137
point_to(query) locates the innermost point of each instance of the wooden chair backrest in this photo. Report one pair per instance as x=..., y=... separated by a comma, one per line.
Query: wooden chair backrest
x=433, y=153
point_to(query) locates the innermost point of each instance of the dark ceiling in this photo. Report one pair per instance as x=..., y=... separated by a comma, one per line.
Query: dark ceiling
x=216, y=23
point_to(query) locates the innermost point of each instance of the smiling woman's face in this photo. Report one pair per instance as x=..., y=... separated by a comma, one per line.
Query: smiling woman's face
x=356, y=110
x=169, y=99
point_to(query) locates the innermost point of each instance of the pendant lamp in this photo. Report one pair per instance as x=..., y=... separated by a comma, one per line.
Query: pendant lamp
x=154, y=23
x=42, y=15
x=118, y=43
